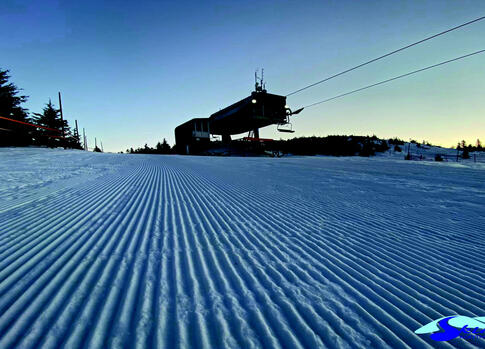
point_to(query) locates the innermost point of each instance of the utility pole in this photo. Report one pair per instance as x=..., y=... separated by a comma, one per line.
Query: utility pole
x=77, y=130
x=62, y=117
x=84, y=140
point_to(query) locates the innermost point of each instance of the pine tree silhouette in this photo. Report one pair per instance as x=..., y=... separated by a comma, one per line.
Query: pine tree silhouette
x=51, y=118
x=12, y=133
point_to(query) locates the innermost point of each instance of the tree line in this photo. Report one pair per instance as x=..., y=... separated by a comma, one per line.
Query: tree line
x=331, y=145
x=49, y=128
x=160, y=148
x=467, y=148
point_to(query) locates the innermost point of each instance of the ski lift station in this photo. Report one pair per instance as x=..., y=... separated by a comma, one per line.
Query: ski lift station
x=259, y=110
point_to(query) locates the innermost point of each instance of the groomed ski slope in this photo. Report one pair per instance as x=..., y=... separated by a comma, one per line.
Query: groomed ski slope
x=147, y=251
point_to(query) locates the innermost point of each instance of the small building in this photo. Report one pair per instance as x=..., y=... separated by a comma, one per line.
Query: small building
x=193, y=136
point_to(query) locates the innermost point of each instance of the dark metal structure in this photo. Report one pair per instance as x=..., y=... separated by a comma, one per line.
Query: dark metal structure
x=260, y=109
x=193, y=136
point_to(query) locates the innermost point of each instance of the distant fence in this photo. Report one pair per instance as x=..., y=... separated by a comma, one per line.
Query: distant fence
x=476, y=157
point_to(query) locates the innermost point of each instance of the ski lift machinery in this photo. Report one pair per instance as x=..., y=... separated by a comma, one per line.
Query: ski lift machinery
x=258, y=110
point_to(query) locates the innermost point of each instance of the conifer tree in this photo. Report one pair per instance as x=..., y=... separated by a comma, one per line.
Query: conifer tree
x=50, y=118
x=12, y=133
x=163, y=148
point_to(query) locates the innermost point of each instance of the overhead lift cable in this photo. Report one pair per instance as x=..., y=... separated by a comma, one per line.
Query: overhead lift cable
x=394, y=78
x=387, y=55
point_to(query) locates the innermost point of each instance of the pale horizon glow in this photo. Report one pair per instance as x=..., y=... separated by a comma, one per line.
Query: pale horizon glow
x=130, y=73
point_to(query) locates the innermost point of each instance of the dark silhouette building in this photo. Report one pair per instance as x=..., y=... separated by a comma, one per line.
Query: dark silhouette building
x=193, y=136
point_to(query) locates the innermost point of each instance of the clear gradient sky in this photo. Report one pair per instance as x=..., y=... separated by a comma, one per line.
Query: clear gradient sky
x=131, y=71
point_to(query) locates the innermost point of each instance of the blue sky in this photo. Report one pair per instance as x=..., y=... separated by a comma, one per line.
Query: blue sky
x=130, y=72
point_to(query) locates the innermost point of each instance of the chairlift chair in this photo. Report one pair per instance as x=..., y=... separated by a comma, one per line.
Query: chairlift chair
x=286, y=127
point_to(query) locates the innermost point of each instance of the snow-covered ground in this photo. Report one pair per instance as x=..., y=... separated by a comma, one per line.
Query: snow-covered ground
x=116, y=250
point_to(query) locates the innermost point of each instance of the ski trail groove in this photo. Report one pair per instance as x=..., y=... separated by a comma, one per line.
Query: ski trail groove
x=168, y=251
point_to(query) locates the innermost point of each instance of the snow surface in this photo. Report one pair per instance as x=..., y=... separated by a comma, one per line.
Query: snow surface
x=117, y=250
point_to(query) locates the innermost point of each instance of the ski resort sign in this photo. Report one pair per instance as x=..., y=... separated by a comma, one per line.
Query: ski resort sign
x=451, y=327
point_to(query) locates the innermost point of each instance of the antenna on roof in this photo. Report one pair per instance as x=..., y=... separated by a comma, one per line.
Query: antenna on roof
x=262, y=78
x=256, y=85
x=259, y=84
